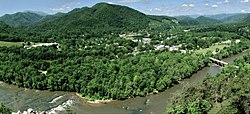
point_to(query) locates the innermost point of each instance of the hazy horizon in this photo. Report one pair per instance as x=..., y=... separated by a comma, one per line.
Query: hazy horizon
x=150, y=7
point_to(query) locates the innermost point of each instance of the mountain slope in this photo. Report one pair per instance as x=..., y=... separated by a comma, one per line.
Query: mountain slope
x=207, y=21
x=3, y=27
x=201, y=20
x=183, y=17
x=21, y=18
x=235, y=18
x=221, y=16
x=246, y=19
x=101, y=18
x=51, y=17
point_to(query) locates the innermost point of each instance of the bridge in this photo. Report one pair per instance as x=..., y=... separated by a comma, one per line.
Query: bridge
x=218, y=62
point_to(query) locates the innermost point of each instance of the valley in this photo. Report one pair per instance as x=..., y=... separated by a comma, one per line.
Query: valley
x=70, y=62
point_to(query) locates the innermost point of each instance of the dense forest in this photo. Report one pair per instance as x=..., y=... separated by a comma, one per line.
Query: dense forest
x=118, y=78
x=227, y=92
x=112, y=55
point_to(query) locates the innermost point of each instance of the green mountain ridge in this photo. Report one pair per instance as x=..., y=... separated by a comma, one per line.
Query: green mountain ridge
x=247, y=19
x=235, y=18
x=222, y=16
x=207, y=21
x=4, y=28
x=188, y=20
x=21, y=19
x=201, y=20
x=102, y=17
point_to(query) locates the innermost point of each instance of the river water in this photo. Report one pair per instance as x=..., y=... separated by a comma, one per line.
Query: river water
x=22, y=99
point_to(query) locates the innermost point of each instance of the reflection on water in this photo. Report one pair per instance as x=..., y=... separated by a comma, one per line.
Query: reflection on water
x=22, y=99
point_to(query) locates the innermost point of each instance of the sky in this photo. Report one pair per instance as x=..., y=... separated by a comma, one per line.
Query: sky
x=154, y=7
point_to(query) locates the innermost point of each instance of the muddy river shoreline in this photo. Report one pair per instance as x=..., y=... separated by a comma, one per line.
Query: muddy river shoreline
x=23, y=99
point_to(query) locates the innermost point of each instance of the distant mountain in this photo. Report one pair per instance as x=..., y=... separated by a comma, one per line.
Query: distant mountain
x=102, y=17
x=51, y=17
x=202, y=20
x=38, y=12
x=184, y=17
x=246, y=19
x=235, y=18
x=212, y=19
x=21, y=19
x=221, y=16
x=160, y=18
x=3, y=27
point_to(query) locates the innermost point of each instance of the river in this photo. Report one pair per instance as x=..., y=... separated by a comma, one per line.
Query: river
x=22, y=99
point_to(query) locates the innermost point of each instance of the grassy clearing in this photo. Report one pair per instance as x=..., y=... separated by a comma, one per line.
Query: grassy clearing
x=212, y=48
x=8, y=44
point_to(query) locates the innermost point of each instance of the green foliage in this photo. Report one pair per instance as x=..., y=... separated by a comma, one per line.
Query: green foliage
x=207, y=21
x=195, y=107
x=185, y=21
x=21, y=19
x=101, y=18
x=4, y=110
x=79, y=71
x=199, y=107
x=94, y=61
x=225, y=93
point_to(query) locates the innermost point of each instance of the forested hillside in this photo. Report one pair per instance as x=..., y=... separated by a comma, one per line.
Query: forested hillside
x=21, y=19
x=4, y=27
x=113, y=52
x=8, y=33
x=224, y=93
x=201, y=20
x=100, y=19
x=213, y=19
x=235, y=18
x=207, y=21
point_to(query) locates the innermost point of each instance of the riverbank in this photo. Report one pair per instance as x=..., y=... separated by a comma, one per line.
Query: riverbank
x=19, y=99
x=91, y=101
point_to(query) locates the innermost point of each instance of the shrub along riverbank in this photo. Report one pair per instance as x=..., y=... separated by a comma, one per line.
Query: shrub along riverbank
x=98, y=77
x=224, y=93
x=4, y=109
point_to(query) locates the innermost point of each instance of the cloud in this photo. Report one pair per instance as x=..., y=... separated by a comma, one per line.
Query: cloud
x=191, y=5
x=132, y=1
x=214, y=6
x=64, y=7
x=56, y=9
x=219, y=3
x=110, y=3
x=244, y=1
x=186, y=5
x=157, y=9
x=226, y=1
x=243, y=11
x=206, y=4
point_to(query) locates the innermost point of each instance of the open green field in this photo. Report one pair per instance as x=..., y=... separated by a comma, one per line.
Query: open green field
x=3, y=43
x=212, y=48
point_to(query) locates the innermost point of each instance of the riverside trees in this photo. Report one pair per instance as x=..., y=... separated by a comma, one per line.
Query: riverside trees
x=105, y=66
x=224, y=93
x=96, y=76
x=4, y=109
